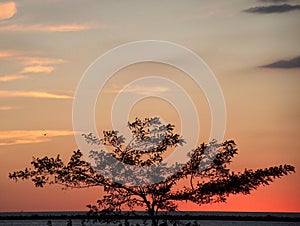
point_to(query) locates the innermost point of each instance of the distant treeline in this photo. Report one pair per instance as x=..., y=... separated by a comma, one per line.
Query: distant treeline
x=82, y=216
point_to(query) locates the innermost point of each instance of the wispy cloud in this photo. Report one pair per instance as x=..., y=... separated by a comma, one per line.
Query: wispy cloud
x=143, y=90
x=274, y=1
x=292, y=63
x=32, y=94
x=283, y=8
x=7, y=10
x=32, y=64
x=13, y=137
x=28, y=58
x=6, y=108
x=47, y=28
x=40, y=60
x=8, y=78
x=37, y=69
x=39, y=64
x=7, y=54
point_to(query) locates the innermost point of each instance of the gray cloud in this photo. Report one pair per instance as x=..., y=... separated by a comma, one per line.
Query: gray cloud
x=274, y=1
x=292, y=63
x=272, y=9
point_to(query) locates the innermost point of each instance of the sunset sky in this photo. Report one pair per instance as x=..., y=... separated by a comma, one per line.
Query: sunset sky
x=252, y=46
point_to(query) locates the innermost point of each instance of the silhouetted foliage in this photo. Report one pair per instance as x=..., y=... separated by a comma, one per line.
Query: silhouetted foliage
x=204, y=178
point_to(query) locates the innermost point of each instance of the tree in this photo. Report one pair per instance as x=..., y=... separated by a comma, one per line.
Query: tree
x=204, y=178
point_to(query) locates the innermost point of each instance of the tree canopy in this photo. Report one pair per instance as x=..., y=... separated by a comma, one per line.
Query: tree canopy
x=204, y=178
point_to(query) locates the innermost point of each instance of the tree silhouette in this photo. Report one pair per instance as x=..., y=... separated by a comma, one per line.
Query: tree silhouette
x=204, y=178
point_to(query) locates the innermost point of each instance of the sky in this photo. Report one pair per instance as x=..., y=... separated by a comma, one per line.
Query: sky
x=251, y=46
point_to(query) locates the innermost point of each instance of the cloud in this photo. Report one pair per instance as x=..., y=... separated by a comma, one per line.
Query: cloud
x=37, y=69
x=7, y=10
x=8, y=78
x=40, y=60
x=274, y=1
x=32, y=94
x=143, y=90
x=27, y=58
x=273, y=9
x=47, y=28
x=7, y=54
x=33, y=64
x=292, y=63
x=6, y=108
x=13, y=137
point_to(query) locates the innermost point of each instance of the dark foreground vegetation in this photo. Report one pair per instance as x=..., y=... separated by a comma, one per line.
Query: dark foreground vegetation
x=133, y=175
x=143, y=216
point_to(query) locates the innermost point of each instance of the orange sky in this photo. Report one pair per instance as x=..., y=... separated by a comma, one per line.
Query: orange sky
x=45, y=48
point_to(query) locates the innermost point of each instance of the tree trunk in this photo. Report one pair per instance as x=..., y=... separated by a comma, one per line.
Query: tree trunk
x=153, y=217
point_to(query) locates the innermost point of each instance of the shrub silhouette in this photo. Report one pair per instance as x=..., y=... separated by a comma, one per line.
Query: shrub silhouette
x=204, y=178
